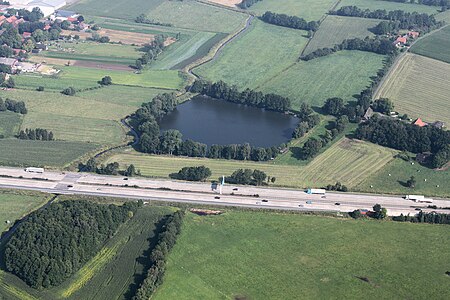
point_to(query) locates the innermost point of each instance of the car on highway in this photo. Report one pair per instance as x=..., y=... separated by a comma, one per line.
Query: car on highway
x=265, y=200
x=337, y=203
x=70, y=186
x=235, y=189
x=216, y=197
x=308, y=202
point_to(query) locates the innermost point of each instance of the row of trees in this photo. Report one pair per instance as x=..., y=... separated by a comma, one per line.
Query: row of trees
x=337, y=187
x=221, y=90
x=378, y=212
x=38, y=134
x=248, y=177
x=108, y=169
x=247, y=3
x=423, y=217
x=336, y=107
x=145, y=122
x=14, y=106
x=289, y=21
x=376, y=45
x=441, y=3
x=54, y=242
x=407, y=137
x=158, y=257
x=151, y=51
x=142, y=18
x=313, y=145
x=200, y=173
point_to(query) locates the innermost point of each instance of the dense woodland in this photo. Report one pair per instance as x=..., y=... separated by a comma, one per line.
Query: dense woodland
x=247, y=3
x=54, y=242
x=152, y=140
x=158, y=257
x=223, y=91
x=289, y=21
x=407, y=137
x=377, y=45
x=14, y=106
x=37, y=134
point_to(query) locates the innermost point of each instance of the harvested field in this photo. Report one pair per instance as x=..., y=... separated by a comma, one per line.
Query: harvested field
x=336, y=29
x=436, y=45
x=357, y=160
x=229, y=3
x=116, y=36
x=419, y=87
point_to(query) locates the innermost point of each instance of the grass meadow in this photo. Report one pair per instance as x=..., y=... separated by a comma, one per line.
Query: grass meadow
x=347, y=161
x=16, y=152
x=335, y=29
x=342, y=74
x=268, y=255
x=16, y=204
x=262, y=52
x=400, y=171
x=435, y=46
x=9, y=123
x=419, y=87
x=390, y=6
x=310, y=10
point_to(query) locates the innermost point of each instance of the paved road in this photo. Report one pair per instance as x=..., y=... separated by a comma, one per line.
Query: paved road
x=202, y=193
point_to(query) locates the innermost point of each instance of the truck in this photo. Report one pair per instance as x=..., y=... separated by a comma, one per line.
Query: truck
x=415, y=198
x=316, y=191
x=34, y=170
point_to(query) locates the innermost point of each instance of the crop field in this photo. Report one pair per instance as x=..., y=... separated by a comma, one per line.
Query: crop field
x=342, y=74
x=116, y=36
x=419, y=87
x=262, y=52
x=16, y=152
x=54, y=84
x=444, y=16
x=435, y=46
x=16, y=204
x=197, y=16
x=115, y=8
x=389, y=6
x=392, y=178
x=9, y=123
x=310, y=10
x=181, y=50
x=335, y=29
x=346, y=161
x=267, y=255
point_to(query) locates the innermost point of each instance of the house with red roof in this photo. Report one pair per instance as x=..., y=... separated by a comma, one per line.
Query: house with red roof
x=2, y=19
x=26, y=35
x=420, y=123
x=11, y=19
x=401, y=40
x=413, y=34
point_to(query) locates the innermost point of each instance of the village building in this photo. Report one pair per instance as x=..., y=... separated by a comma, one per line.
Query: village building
x=413, y=34
x=420, y=123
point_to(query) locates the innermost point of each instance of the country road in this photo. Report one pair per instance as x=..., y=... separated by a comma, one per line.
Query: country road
x=201, y=193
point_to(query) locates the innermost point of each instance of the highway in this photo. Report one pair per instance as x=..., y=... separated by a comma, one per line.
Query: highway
x=202, y=193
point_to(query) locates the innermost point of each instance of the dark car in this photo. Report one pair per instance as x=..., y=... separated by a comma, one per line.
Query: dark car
x=235, y=189
x=70, y=186
x=216, y=197
x=337, y=203
x=265, y=200
x=125, y=178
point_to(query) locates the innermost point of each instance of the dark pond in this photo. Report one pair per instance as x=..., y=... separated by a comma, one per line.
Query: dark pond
x=211, y=121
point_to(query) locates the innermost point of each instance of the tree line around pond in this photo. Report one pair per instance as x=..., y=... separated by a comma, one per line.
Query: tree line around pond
x=55, y=242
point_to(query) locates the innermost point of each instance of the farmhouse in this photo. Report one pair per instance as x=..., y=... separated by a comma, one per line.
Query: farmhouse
x=11, y=62
x=413, y=34
x=420, y=123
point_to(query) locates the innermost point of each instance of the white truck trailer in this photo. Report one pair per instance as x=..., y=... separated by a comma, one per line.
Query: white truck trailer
x=34, y=170
x=418, y=198
x=316, y=191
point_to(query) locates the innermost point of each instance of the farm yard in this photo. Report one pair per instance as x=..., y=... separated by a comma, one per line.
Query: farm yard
x=335, y=29
x=281, y=256
x=357, y=160
x=419, y=87
x=435, y=46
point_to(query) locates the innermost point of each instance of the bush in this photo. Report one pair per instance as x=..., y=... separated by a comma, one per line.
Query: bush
x=70, y=91
x=106, y=80
x=40, y=89
x=192, y=174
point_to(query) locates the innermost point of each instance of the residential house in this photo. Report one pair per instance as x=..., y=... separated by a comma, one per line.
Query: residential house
x=420, y=123
x=26, y=35
x=413, y=34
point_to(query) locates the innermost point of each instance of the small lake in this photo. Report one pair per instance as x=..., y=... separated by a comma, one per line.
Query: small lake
x=212, y=121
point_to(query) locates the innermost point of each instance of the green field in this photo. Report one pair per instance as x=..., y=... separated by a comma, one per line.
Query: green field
x=55, y=83
x=347, y=161
x=342, y=74
x=190, y=14
x=37, y=153
x=335, y=29
x=115, y=8
x=400, y=171
x=16, y=204
x=89, y=51
x=389, y=6
x=112, y=274
x=436, y=45
x=444, y=16
x=9, y=123
x=266, y=255
x=261, y=53
x=310, y=10
x=419, y=87
x=181, y=50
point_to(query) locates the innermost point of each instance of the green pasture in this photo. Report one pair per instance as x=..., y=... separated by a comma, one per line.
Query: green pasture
x=435, y=46
x=9, y=123
x=261, y=53
x=268, y=255
x=389, y=6
x=310, y=10
x=335, y=29
x=392, y=179
x=38, y=153
x=342, y=74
